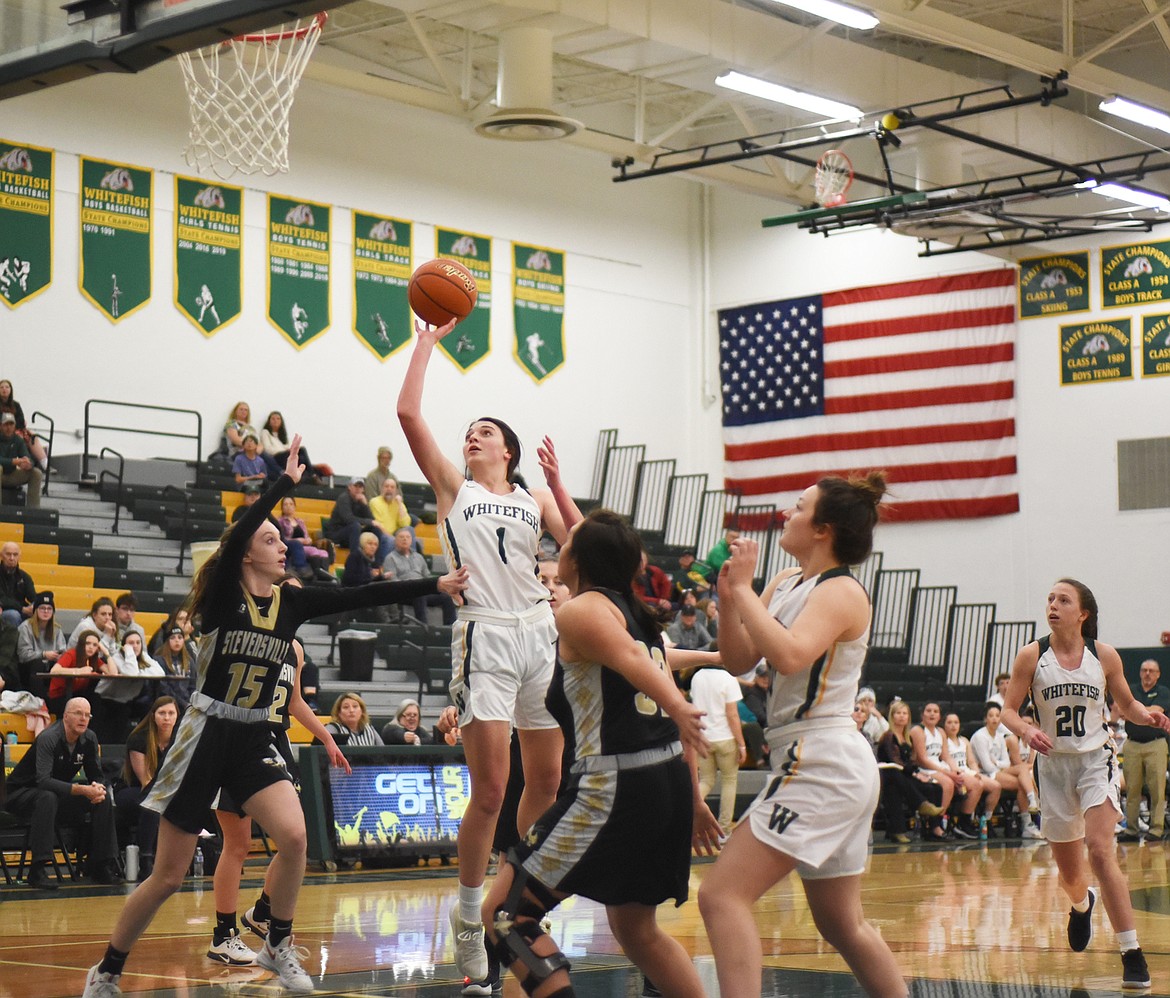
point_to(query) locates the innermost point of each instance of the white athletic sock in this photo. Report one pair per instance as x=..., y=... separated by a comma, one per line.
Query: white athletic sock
x=1032, y=802
x=1082, y=906
x=470, y=903
x=1127, y=940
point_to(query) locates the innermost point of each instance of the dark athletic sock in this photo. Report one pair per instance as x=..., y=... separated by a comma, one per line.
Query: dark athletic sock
x=114, y=962
x=278, y=931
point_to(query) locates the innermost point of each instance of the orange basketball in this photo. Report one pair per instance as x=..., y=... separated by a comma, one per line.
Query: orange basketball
x=440, y=291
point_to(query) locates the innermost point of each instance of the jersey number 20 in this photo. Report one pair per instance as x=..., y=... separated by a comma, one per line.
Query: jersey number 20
x=1070, y=721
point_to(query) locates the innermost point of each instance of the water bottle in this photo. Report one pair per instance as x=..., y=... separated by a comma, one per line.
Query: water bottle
x=11, y=738
x=983, y=827
x=197, y=867
x=132, y=863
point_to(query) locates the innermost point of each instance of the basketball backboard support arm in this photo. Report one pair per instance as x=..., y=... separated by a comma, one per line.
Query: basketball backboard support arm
x=84, y=37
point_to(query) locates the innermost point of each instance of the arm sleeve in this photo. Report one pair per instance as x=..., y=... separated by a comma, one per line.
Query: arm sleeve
x=222, y=588
x=318, y=601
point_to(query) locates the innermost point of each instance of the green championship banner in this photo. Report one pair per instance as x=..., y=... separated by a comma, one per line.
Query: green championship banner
x=1053, y=284
x=26, y=221
x=538, y=296
x=381, y=271
x=116, y=225
x=1095, y=351
x=1155, y=346
x=1135, y=275
x=298, y=268
x=208, y=241
x=470, y=341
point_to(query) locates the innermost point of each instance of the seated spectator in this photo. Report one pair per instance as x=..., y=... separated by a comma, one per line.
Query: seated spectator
x=251, y=492
x=179, y=617
x=361, y=568
x=17, y=588
x=756, y=695
x=404, y=563
x=9, y=404
x=238, y=426
x=904, y=788
x=716, y=692
x=875, y=725
x=692, y=575
x=351, y=515
x=146, y=748
x=296, y=557
x=373, y=480
x=16, y=464
x=351, y=722
x=1001, y=685
x=721, y=551
x=405, y=728
x=292, y=528
x=39, y=643
x=274, y=442
x=652, y=585
x=249, y=466
x=84, y=659
x=686, y=631
x=997, y=753
x=177, y=658
x=134, y=666
x=42, y=789
x=389, y=510
x=125, y=607
x=978, y=786
x=708, y=615
x=101, y=620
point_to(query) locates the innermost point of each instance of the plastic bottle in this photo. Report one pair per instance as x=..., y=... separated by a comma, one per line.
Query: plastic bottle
x=197, y=867
x=983, y=827
x=132, y=863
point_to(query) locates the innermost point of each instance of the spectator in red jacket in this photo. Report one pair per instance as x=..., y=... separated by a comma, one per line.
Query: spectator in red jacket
x=652, y=585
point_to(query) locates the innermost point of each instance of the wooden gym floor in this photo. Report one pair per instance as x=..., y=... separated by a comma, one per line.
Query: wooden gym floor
x=965, y=921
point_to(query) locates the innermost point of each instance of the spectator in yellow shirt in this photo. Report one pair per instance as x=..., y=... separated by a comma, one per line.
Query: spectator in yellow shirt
x=388, y=509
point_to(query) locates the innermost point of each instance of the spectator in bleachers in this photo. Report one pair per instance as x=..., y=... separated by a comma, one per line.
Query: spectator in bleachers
x=297, y=558
x=146, y=748
x=721, y=551
x=715, y=691
x=755, y=695
x=39, y=643
x=361, y=568
x=177, y=657
x=875, y=725
x=9, y=404
x=979, y=787
x=403, y=563
x=997, y=751
x=42, y=789
x=134, y=666
x=351, y=722
x=17, y=466
x=1001, y=685
x=84, y=659
x=351, y=516
x=125, y=607
x=274, y=442
x=406, y=729
x=292, y=528
x=250, y=491
x=180, y=618
x=17, y=588
x=100, y=619
x=652, y=585
x=249, y=466
x=686, y=632
x=389, y=509
x=708, y=614
x=381, y=471
x=904, y=789
x=692, y=575
x=238, y=426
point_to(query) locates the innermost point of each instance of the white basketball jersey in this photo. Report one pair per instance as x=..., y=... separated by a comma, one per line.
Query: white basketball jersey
x=829, y=687
x=496, y=537
x=933, y=741
x=958, y=750
x=1070, y=703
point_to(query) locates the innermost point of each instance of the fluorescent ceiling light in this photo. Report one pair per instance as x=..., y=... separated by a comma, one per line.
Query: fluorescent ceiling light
x=1143, y=199
x=786, y=95
x=1136, y=112
x=851, y=17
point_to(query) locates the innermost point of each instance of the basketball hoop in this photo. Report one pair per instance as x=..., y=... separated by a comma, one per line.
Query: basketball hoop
x=241, y=93
x=834, y=175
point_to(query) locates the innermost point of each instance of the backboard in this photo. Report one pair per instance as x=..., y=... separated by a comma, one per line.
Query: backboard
x=44, y=43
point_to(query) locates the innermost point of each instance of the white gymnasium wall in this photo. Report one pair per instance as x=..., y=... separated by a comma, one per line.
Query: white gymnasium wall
x=631, y=264
x=1068, y=523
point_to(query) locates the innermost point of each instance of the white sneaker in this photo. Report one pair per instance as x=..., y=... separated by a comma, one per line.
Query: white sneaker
x=259, y=926
x=101, y=985
x=470, y=957
x=232, y=951
x=285, y=962
x=1031, y=832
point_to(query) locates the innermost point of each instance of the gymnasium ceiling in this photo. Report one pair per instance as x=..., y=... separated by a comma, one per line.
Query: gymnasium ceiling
x=639, y=74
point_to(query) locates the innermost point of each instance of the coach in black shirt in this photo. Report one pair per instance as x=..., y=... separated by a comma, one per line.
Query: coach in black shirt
x=41, y=788
x=1144, y=758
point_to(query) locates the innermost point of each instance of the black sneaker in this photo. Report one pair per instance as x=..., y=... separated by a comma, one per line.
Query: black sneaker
x=1135, y=975
x=1080, y=926
x=965, y=830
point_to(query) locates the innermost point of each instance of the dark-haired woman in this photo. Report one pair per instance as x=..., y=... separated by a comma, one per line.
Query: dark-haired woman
x=504, y=640
x=812, y=628
x=620, y=833
x=274, y=441
x=248, y=622
x=1068, y=675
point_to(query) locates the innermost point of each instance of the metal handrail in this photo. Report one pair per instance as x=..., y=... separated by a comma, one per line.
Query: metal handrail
x=49, y=448
x=118, y=478
x=197, y=436
x=184, y=541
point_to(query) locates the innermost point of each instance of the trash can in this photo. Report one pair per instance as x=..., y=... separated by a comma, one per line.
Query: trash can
x=357, y=655
x=200, y=552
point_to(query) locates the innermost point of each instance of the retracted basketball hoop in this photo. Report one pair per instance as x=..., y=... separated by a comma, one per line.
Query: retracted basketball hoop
x=241, y=93
x=833, y=178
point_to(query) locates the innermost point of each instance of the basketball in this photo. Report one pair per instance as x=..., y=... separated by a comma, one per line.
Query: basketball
x=440, y=291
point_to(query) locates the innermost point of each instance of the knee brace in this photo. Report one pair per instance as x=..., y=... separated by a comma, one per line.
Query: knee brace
x=518, y=926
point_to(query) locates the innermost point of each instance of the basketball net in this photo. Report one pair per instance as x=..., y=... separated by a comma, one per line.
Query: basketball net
x=241, y=92
x=833, y=177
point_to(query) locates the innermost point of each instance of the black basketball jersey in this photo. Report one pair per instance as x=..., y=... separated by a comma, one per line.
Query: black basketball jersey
x=600, y=712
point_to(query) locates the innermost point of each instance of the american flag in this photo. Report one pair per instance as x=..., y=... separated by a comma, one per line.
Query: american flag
x=916, y=378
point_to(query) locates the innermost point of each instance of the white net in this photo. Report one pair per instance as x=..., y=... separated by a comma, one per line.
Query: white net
x=241, y=93
x=833, y=177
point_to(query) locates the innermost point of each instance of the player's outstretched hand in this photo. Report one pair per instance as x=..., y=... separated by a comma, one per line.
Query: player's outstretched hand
x=337, y=758
x=707, y=835
x=292, y=465
x=453, y=584
x=425, y=331
x=547, y=455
